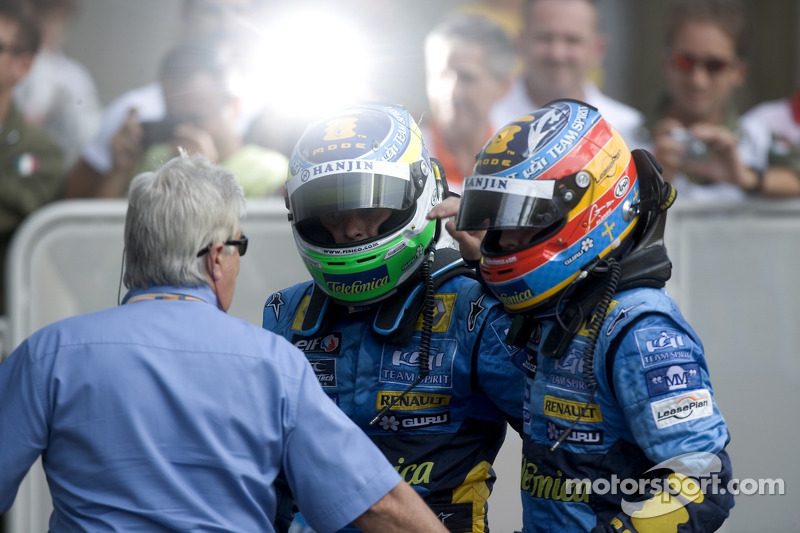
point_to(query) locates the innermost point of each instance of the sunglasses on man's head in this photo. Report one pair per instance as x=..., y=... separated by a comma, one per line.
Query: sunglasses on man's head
x=240, y=243
x=686, y=63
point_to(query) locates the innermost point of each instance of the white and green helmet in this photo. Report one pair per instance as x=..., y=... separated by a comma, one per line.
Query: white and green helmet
x=363, y=156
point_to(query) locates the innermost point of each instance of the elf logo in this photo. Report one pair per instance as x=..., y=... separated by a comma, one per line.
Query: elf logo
x=329, y=344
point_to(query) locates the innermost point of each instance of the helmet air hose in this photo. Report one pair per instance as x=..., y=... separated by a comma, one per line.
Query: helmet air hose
x=613, y=270
x=425, y=334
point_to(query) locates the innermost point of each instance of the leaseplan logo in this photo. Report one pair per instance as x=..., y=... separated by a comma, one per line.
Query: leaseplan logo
x=677, y=409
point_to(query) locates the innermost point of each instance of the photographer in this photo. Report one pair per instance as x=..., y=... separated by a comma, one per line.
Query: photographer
x=202, y=116
x=705, y=150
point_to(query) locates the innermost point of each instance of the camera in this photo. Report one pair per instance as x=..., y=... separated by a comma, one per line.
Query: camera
x=695, y=149
x=159, y=131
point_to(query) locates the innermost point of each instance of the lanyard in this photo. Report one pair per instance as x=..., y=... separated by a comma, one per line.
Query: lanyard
x=163, y=296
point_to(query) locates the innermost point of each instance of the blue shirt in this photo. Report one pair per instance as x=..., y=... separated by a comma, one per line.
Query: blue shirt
x=166, y=414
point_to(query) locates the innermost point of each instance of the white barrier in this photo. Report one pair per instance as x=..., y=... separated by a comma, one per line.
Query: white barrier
x=734, y=276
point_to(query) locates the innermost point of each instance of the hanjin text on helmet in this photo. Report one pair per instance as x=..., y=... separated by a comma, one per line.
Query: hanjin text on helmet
x=336, y=167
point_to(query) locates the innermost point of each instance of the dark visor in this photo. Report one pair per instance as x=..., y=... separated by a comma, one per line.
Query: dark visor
x=491, y=202
x=343, y=185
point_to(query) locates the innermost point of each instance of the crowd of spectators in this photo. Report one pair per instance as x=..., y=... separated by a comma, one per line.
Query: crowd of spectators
x=486, y=62
x=697, y=134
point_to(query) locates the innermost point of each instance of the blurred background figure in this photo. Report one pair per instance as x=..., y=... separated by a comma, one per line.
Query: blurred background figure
x=229, y=21
x=505, y=13
x=469, y=61
x=30, y=160
x=201, y=92
x=560, y=48
x=59, y=93
x=706, y=151
x=782, y=118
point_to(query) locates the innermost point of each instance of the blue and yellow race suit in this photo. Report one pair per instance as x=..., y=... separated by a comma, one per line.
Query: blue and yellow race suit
x=444, y=434
x=653, y=403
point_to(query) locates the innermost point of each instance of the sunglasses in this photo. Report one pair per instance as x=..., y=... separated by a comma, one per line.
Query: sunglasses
x=686, y=63
x=240, y=243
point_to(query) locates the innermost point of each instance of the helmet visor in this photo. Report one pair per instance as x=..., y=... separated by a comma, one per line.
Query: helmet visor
x=494, y=203
x=349, y=184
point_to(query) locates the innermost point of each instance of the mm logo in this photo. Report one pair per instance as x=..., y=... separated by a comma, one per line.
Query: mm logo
x=674, y=378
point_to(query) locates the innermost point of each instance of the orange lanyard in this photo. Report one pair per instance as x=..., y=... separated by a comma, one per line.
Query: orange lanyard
x=163, y=296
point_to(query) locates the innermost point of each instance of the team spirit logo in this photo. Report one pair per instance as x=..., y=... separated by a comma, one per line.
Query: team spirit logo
x=659, y=345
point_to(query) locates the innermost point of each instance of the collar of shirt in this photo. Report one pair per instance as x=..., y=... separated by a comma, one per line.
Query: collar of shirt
x=203, y=293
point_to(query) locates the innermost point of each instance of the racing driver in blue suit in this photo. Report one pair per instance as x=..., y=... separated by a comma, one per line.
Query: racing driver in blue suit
x=400, y=334
x=622, y=432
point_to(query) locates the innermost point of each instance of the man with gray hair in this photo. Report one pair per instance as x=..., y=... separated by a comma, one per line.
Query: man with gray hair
x=166, y=414
x=468, y=63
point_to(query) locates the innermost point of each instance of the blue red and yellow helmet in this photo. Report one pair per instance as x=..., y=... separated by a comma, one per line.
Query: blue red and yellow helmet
x=564, y=173
x=360, y=157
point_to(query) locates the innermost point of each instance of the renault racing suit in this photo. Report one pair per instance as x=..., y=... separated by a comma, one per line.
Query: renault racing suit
x=652, y=405
x=444, y=434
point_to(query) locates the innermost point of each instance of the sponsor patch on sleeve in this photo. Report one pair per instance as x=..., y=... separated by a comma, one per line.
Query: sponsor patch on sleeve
x=673, y=378
x=659, y=345
x=688, y=406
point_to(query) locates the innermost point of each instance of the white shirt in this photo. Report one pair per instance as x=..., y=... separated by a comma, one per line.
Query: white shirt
x=776, y=115
x=625, y=119
x=59, y=94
